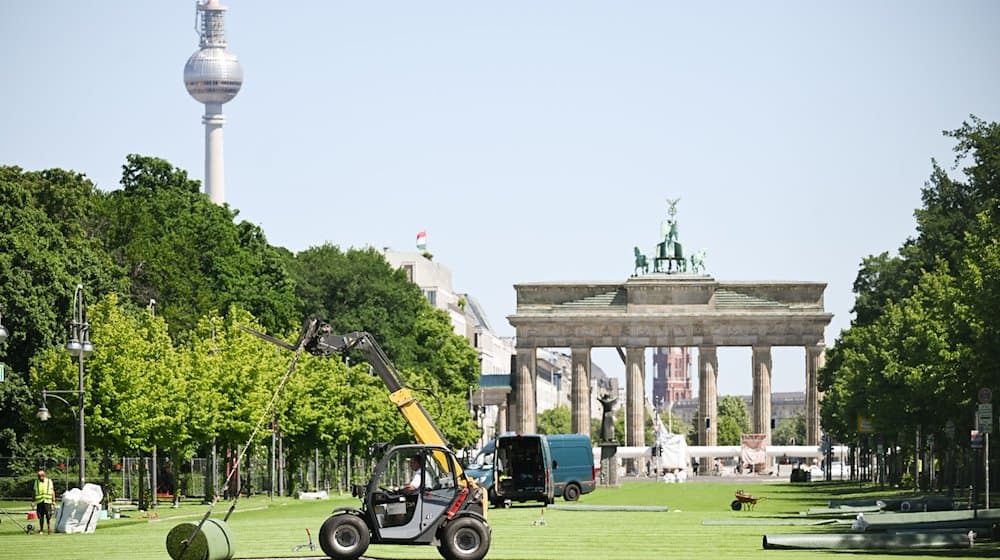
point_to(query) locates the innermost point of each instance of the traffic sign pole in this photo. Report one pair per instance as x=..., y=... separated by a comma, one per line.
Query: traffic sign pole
x=985, y=425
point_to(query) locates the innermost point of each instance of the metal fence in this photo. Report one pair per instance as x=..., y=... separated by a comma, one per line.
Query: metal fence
x=128, y=478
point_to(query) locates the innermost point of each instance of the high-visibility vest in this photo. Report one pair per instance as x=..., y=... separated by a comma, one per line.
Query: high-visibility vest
x=43, y=491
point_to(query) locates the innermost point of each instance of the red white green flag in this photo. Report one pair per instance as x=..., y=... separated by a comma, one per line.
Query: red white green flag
x=422, y=241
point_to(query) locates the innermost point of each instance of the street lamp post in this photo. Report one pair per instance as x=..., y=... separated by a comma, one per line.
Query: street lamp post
x=79, y=347
x=3, y=331
x=3, y=338
x=154, y=483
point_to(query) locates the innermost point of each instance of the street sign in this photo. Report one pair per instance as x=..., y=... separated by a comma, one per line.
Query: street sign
x=984, y=417
x=976, y=439
x=865, y=425
x=985, y=395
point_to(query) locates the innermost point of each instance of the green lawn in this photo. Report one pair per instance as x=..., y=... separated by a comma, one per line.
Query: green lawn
x=262, y=528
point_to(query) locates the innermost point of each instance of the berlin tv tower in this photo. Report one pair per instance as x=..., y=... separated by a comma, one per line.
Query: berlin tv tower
x=213, y=76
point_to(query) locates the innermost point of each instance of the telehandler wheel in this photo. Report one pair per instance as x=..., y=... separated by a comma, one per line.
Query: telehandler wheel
x=465, y=538
x=344, y=537
x=571, y=493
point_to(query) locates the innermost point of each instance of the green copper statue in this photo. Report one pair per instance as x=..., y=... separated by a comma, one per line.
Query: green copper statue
x=670, y=250
x=669, y=256
x=641, y=262
x=698, y=262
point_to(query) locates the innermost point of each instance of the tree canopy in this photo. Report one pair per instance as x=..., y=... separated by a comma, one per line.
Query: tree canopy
x=924, y=338
x=189, y=373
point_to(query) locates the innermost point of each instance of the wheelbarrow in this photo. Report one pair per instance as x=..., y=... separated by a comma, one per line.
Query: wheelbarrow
x=744, y=500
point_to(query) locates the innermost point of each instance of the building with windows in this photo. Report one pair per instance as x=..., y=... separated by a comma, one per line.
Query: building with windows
x=672, y=376
x=488, y=402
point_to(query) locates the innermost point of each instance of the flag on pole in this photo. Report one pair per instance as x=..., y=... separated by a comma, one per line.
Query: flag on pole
x=422, y=241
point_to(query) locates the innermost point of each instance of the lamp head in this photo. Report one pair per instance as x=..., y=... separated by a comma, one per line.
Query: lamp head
x=43, y=413
x=74, y=348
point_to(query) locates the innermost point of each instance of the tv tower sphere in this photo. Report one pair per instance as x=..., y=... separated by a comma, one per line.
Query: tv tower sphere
x=213, y=76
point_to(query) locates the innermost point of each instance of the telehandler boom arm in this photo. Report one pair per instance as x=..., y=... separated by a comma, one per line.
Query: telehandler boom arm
x=319, y=340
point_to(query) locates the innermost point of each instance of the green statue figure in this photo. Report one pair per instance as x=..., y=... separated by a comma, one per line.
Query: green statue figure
x=698, y=261
x=670, y=250
x=640, y=263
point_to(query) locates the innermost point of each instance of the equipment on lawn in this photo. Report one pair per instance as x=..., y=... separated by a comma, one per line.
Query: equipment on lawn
x=744, y=500
x=27, y=530
x=308, y=545
x=418, y=493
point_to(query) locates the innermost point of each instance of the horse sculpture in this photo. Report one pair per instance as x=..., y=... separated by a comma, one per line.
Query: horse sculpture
x=670, y=251
x=698, y=261
x=640, y=263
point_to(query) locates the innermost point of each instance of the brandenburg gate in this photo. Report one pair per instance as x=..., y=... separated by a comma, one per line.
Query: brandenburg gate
x=663, y=309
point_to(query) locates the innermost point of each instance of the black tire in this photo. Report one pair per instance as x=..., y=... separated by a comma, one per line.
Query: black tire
x=344, y=537
x=571, y=493
x=465, y=538
x=736, y=505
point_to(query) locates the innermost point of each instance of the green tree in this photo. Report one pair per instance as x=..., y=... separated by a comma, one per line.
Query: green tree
x=556, y=420
x=180, y=249
x=131, y=389
x=734, y=420
x=790, y=431
x=358, y=290
x=923, y=341
x=50, y=234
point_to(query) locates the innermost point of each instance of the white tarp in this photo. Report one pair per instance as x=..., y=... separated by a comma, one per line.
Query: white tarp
x=673, y=447
x=675, y=455
x=753, y=450
x=79, y=510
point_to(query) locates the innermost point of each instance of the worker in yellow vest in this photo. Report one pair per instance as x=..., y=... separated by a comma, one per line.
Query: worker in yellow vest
x=45, y=500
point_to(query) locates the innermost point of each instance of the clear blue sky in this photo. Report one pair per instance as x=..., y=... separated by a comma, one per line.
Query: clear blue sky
x=534, y=141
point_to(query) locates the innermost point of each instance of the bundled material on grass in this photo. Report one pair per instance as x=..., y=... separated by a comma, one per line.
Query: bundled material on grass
x=866, y=541
x=856, y=502
x=914, y=504
x=760, y=521
x=938, y=519
x=841, y=511
x=212, y=542
x=582, y=507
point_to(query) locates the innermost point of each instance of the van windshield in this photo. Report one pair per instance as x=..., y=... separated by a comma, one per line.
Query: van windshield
x=483, y=459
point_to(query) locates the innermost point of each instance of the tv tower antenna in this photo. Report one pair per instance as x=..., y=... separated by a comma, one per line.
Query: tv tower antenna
x=213, y=76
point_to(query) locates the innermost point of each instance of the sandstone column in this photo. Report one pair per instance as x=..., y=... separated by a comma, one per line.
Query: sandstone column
x=524, y=392
x=814, y=361
x=502, y=418
x=635, y=383
x=708, y=399
x=761, y=415
x=580, y=391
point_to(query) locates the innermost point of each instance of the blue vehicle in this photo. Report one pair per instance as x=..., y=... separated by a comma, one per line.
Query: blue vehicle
x=573, y=471
x=522, y=468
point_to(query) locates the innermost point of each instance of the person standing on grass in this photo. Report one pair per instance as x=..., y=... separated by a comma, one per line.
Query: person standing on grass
x=45, y=499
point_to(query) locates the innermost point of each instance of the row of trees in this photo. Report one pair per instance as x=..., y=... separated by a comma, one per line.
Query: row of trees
x=925, y=337
x=188, y=374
